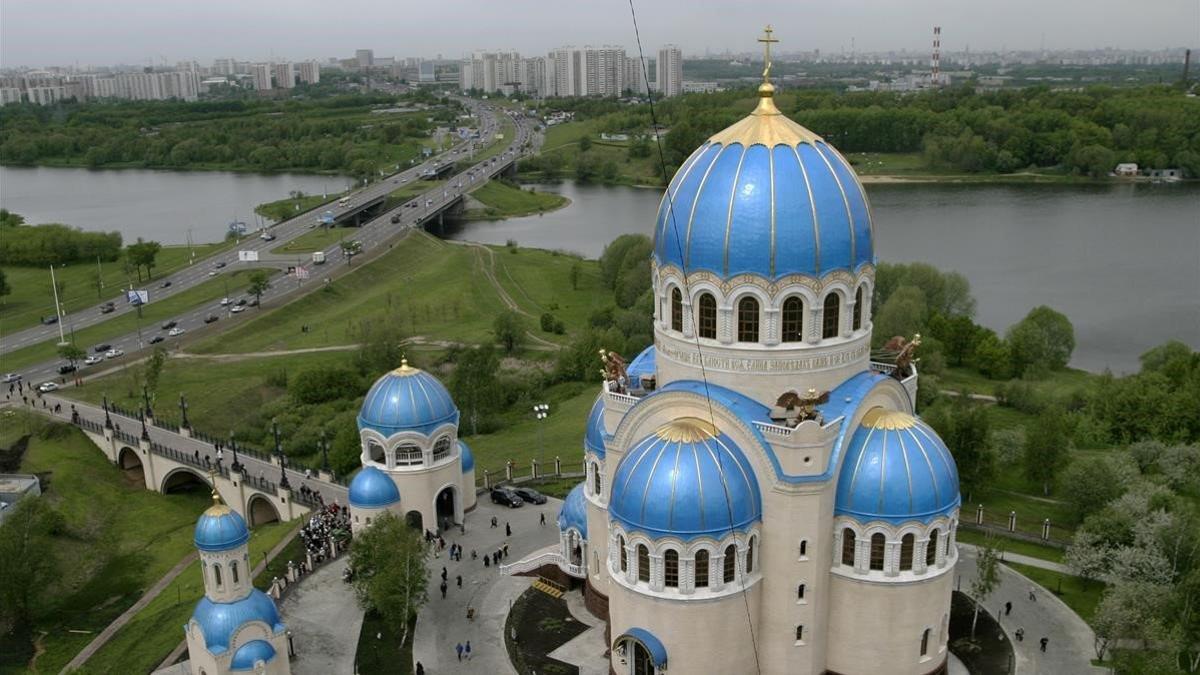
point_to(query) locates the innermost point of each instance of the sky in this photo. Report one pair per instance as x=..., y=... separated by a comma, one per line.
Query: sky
x=144, y=32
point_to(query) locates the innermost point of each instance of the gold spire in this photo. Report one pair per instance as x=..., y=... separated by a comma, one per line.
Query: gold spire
x=686, y=430
x=405, y=370
x=766, y=89
x=218, y=508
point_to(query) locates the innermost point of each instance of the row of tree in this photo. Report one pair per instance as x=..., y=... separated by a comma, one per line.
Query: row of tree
x=52, y=243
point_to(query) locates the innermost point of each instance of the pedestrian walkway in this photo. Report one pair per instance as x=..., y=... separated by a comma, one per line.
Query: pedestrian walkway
x=443, y=623
x=587, y=650
x=1009, y=556
x=323, y=615
x=1070, y=647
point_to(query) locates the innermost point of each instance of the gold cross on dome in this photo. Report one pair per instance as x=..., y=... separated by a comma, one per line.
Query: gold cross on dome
x=767, y=40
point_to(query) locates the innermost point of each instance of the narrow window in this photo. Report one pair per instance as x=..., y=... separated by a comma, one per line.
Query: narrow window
x=793, y=319
x=830, y=317
x=858, y=302
x=702, y=569
x=750, y=556
x=848, y=547
x=800, y=591
x=217, y=575
x=925, y=642
x=441, y=449
x=596, y=479
x=799, y=633
x=708, y=316
x=624, y=554
x=233, y=571
x=643, y=563
x=803, y=548
x=931, y=549
x=878, y=544
x=671, y=569
x=729, y=564
x=375, y=451
x=906, y=552
x=748, y=320
x=408, y=455
x=676, y=310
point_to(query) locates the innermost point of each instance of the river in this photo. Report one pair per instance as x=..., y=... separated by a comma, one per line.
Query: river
x=158, y=205
x=1121, y=261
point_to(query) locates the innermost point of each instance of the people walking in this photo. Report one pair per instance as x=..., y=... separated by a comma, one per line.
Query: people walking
x=444, y=587
x=1043, y=642
x=542, y=518
x=1008, y=608
x=420, y=669
x=507, y=530
x=1020, y=634
x=487, y=561
x=467, y=651
x=458, y=580
x=1032, y=594
x=494, y=522
x=458, y=648
x=444, y=574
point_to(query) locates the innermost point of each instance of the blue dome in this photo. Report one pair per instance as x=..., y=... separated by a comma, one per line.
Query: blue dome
x=687, y=480
x=251, y=653
x=593, y=437
x=218, y=620
x=765, y=197
x=220, y=528
x=406, y=399
x=373, y=489
x=466, y=457
x=642, y=366
x=574, y=511
x=896, y=469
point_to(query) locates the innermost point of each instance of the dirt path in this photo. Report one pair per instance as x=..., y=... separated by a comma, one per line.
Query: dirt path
x=488, y=268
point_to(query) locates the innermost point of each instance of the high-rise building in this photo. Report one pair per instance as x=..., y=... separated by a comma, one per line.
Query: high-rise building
x=285, y=75
x=261, y=73
x=635, y=76
x=568, y=71
x=669, y=75
x=310, y=72
x=224, y=67
x=365, y=58
x=9, y=95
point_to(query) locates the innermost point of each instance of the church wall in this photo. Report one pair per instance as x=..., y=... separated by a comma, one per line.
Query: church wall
x=229, y=590
x=467, y=490
x=419, y=488
x=597, y=521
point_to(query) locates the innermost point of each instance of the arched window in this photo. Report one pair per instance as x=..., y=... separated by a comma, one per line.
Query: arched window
x=925, y=642
x=676, y=310
x=624, y=554
x=848, y=547
x=643, y=563
x=729, y=564
x=233, y=571
x=747, y=320
x=931, y=548
x=858, y=303
x=799, y=633
x=217, y=575
x=793, y=319
x=878, y=545
x=441, y=449
x=750, y=555
x=375, y=452
x=906, y=551
x=708, y=316
x=702, y=568
x=409, y=455
x=596, y=479
x=800, y=591
x=831, y=316
x=671, y=568
x=803, y=548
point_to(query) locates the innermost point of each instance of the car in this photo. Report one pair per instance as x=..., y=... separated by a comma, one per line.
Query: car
x=165, y=284
x=403, y=180
x=47, y=387
x=93, y=360
x=9, y=378
x=102, y=348
x=241, y=302
x=170, y=324
x=156, y=339
x=107, y=309
x=267, y=236
x=66, y=368
x=225, y=301
x=176, y=332
x=506, y=497
x=49, y=320
x=211, y=318
x=237, y=309
x=395, y=219
x=212, y=273
x=219, y=265
x=530, y=495
x=114, y=353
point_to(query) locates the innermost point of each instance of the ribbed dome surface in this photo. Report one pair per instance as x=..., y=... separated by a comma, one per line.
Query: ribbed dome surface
x=466, y=457
x=372, y=489
x=219, y=620
x=896, y=469
x=593, y=437
x=251, y=653
x=687, y=479
x=406, y=399
x=220, y=528
x=574, y=511
x=765, y=197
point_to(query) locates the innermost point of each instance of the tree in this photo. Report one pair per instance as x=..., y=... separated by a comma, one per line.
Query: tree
x=1043, y=340
x=474, y=383
x=5, y=289
x=987, y=578
x=143, y=254
x=1089, y=485
x=903, y=313
x=1127, y=611
x=509, y=330
x=992, y=356
x=573, y=275
x=323, y=384
x=964, y=427
x=71, y=353
x=27, y=559
x=1047, y=448
x=260, y=282
x=388, y=561
x=154, y=366
x=585, y=143
x=958, y=335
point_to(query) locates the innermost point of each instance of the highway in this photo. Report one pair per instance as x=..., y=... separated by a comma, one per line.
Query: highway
x=370, y=235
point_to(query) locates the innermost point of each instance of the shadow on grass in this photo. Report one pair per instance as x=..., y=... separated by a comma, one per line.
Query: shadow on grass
x=989, y=652
x=379, y=649
x=537, y=625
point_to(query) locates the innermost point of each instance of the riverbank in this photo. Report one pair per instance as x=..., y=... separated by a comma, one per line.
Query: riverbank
x=501, y=200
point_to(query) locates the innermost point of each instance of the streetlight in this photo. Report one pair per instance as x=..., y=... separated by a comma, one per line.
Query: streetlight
x=540, y=411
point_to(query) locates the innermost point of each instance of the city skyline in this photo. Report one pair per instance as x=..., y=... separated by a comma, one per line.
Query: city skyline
x=36, y=35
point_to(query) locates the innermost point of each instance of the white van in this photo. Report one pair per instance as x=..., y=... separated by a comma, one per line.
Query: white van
x=344, y=201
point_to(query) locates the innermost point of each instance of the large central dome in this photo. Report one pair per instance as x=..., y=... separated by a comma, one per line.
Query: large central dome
x=765, y=197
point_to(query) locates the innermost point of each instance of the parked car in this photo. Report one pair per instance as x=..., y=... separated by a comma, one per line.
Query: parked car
x=66, y=368
x=114, y=353
x=237, y=309
x=93, y=360
x=176, y=332
x=47, y=387
x=395, y=219
x=506, y=497
x=156, y=339
x=169, y=325
x=9, y=378
x=211, y=318
x=102, y=348
x=530, y=495
x=225, y=301
x=49, y=320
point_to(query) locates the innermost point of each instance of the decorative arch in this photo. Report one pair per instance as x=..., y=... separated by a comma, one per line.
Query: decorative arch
x=749, y=318
x=442, y=447
x=831, y=315
x=261, y=510
x=447, y=505
x=706, y=315
x=676, y=308
x=130, y=463
x=791, y=318
x=183, y=478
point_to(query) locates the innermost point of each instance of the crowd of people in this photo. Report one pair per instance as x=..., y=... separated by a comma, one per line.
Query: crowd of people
x=329, y=523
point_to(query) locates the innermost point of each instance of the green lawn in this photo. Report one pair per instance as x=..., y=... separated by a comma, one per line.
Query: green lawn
x=121, y=537
x=505, y=200
x=153, y=314
x=316, y=239
x=32, y=295
x=140, y=645
x=1057, y=384
x=1019, y=546
x=284, y=209
x=1081, y=596
x=508, y=130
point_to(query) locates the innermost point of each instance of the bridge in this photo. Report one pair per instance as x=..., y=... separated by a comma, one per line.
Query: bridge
x=256, y=485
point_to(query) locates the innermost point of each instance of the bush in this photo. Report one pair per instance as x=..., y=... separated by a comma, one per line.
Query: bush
x=324, y=384
x=547, y=322
x=1146, y=454
x=1008, y=444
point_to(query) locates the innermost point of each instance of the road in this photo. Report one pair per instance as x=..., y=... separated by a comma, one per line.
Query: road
x=371, y=235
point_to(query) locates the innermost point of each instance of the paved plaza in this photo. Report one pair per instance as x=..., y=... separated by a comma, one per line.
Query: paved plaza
x=324, y=618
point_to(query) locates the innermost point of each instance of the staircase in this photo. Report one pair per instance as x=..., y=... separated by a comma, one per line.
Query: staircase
x=548, y=587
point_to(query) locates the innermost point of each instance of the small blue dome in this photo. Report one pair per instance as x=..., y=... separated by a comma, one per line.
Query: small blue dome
x=593, y=437
x=373, y=489
x=765, y=197
x=406, y=399
x=466, y=457
x=641, y=366
x=220, y=528
x=251, y=653
x=219, y=620
x=687, y=480
x=896, y=469
x=574, y=511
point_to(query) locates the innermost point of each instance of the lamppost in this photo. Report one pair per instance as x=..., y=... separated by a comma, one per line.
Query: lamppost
x=236, y=466
x=183, y=406
x=283, y=481
x=324, y=451
x=146, y=401
x=107, y=418
x=540, y=411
